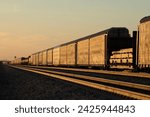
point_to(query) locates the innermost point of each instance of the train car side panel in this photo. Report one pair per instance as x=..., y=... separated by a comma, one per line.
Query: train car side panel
x=49, y=57
x=71, y=54
x=56, y=56
x=63, y=55
x=97, y=50
x=30, y=59
x=33, y=59
x=40, y=58
x=44, y=58
x=37, y=59
x=144, y=45
x=83, y=52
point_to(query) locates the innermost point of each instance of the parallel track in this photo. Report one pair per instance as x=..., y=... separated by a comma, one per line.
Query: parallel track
x=98, y=83
x=140, y=75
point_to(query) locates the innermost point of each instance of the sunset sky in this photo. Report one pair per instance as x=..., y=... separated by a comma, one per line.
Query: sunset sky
x=28, y=26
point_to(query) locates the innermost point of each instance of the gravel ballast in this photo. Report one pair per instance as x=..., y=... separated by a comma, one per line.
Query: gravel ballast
x=17, y=84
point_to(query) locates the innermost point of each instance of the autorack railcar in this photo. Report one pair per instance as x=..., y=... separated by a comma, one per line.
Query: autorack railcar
x=143, y=44
x=21, y=61
x=95, y=50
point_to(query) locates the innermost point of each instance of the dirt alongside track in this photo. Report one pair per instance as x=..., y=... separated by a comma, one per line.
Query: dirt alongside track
x=21, y=85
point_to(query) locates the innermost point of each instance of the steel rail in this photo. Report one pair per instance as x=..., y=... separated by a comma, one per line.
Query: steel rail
x=140, y=75
x=120, y=83
x=124, y=92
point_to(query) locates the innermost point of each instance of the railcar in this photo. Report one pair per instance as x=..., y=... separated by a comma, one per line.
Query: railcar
x=21, y=61
x=24, y=60
x=96, y=49
x=68, y=54
x=92, y=50
x=143, y=44
x=39, y=58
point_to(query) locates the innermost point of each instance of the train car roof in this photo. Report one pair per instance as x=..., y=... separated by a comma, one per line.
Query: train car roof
x=93, y=35
x=145, y=19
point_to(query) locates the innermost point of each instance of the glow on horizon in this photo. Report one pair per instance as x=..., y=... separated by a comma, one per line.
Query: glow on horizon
x=28, y=26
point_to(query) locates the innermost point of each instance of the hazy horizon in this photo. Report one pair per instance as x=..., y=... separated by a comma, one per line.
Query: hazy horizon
x=28, y=26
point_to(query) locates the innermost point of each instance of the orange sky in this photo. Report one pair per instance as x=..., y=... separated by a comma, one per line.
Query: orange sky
x=27, y=26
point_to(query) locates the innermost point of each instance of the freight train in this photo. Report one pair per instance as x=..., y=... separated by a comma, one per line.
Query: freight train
x=110, y=48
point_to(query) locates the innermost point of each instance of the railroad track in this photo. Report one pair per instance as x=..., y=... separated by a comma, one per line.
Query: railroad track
x=140, y=75
x=139, y=78
x=131, y=90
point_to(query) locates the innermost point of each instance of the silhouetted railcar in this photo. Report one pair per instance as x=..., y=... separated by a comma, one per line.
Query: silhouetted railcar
x=24, y=60
x=143, y=44
x=20, y=61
